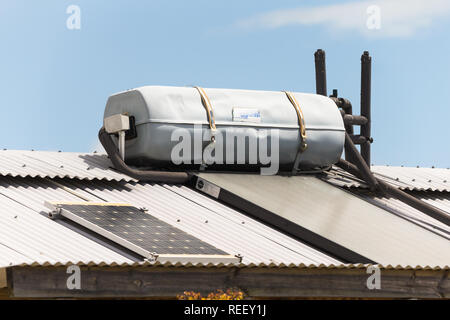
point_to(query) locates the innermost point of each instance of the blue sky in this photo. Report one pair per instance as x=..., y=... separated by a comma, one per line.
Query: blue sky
x=54, y=81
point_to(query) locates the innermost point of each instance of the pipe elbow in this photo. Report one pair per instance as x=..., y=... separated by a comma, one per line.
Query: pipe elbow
x=141, y=175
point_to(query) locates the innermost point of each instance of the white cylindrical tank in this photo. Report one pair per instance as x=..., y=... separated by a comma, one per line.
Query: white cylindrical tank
x=167, y=117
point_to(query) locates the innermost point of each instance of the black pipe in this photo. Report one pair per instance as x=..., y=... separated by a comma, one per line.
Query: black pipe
x=358, y=139
x=406, y=198
x=354, y=120
x=141, y=175
x=366, y=74
x=321, y=74
x=347, y=109
x=343, y=103
x=367, y=175
x=350, y=168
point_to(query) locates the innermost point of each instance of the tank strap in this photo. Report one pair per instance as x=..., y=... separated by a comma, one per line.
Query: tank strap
x=209, y=110
x=301, y=119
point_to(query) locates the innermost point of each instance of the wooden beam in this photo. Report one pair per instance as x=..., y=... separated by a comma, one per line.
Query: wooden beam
x=4, y=290
x=256, y=282
x=3, y=283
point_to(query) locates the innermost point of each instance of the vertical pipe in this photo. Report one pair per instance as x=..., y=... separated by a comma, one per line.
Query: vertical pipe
x=321, y=74
x=366, y=73
x=349, y=128
x=122, y=144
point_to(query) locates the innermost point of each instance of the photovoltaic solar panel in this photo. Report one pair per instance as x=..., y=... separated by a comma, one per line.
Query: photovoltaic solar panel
x=135, y=229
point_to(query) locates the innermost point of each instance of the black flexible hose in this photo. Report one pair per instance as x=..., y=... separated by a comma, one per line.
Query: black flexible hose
x=141, y=175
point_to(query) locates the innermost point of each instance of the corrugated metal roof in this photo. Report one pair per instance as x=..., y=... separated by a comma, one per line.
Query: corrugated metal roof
x=439, y=200
x=19, y=163
x=421, y=179
x=33, y=237
x=233, y=265
x=10, y=256
x=51, y=164
x=405, y=178
x=339, y=216
x=411, y=214
x=225, y=228
x=26, y=235
x=89, y=166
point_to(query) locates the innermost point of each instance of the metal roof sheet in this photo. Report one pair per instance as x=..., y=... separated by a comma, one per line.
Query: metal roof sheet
x=227, y=229
x=10, y=256
x=405, y=178
x=411, y=214
x=236, y=265
x=39, y=239
x=339, y=216
x=89, y=166
x=439, y=199
x=26, y=235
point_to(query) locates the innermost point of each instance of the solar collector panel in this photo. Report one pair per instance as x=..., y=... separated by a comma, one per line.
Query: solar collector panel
x=329, y=218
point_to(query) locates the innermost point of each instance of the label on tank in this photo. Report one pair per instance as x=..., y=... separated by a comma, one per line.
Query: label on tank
x=246, y=115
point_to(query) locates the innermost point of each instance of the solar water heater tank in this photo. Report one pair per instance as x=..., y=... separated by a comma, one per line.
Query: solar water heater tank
x=308, y=127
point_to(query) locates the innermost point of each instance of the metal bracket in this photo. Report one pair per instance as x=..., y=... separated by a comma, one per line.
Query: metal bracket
x=55, y=214
x=208, y=188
